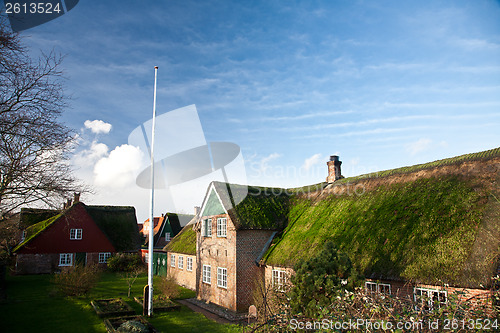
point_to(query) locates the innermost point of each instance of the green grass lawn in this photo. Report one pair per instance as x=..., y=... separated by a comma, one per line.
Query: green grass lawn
x=33, y=305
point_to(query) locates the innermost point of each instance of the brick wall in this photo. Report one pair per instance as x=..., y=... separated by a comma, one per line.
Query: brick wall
x=182, y=276
x=46, y=263
x=36, y=263
x=217, y=252
x=249, y=245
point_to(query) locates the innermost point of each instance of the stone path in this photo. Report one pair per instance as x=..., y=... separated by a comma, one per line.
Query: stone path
x=212, y=312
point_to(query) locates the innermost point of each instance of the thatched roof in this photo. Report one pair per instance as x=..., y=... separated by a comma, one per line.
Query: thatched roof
x=183, y=242
x=119, y=224
x=434, y=223
x=250, y=207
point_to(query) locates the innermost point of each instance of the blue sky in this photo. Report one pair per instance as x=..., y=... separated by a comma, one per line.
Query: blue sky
x=383, y=84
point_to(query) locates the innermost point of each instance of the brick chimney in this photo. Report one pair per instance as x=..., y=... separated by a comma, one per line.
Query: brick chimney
x=334, y=172
x=197, y=210
x=76, y=197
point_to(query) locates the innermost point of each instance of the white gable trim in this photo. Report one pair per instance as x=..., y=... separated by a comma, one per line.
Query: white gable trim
x=207, y=195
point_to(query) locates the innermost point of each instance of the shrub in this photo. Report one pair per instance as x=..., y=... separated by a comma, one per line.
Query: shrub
x=168, y=288
x=77, y=280
x=124, y=262
x=320, y=280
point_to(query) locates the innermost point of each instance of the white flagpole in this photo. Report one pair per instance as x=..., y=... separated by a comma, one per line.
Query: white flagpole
x=151, y=216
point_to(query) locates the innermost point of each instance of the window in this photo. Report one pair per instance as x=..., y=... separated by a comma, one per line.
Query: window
x=207, y=274
x=103, y=257
x=181, y=262
x=189, y=264
x=279, y=279
x=374, y=287
x=23, y=236
x=221, y=227
x=146, y=258
x=221, y=277
x=167, y=237
x=430, y=298
x=207, y=227
x=75, y=234
x=172, y=260
x=66, y=259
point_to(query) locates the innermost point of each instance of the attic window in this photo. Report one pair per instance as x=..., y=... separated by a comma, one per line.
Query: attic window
x=75, y=234
x=221, y=227
x=167, y=237
x=207, y=227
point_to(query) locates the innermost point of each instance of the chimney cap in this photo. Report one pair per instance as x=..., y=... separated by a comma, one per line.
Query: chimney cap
x=334, y=158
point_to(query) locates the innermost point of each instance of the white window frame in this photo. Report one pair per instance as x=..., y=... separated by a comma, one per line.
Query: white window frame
x=167, y=237
x=279, y=279
x=172, y=260
x=429, y=294
x=207, y=274
x=207, y=227
x=76, y=234
x=189, y=264
x=222, y=277
x=180, y=262
x=221, y=227
x=65, y=259
x=103, y=257
x=381, y=288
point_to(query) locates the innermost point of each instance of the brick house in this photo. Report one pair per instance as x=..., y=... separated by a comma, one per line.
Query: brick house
x=78, y=234
x=420, y=232
x=231, y=238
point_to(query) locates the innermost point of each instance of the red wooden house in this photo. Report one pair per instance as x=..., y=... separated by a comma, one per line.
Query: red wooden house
x=79, y=234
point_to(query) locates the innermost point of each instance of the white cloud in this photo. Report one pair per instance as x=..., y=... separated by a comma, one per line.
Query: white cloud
x=88, y=157
x=119, y=168
x=98, y=126
x=312, y=161
x=264, y=163
x=419, y=146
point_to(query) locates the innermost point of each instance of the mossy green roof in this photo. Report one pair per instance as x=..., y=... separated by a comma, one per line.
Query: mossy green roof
x=31, y=216
x=36, y=229
x=256, y=208
x=183, y=242
x=439, y=228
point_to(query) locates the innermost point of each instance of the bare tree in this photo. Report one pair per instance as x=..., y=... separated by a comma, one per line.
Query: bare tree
x=34, y=144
